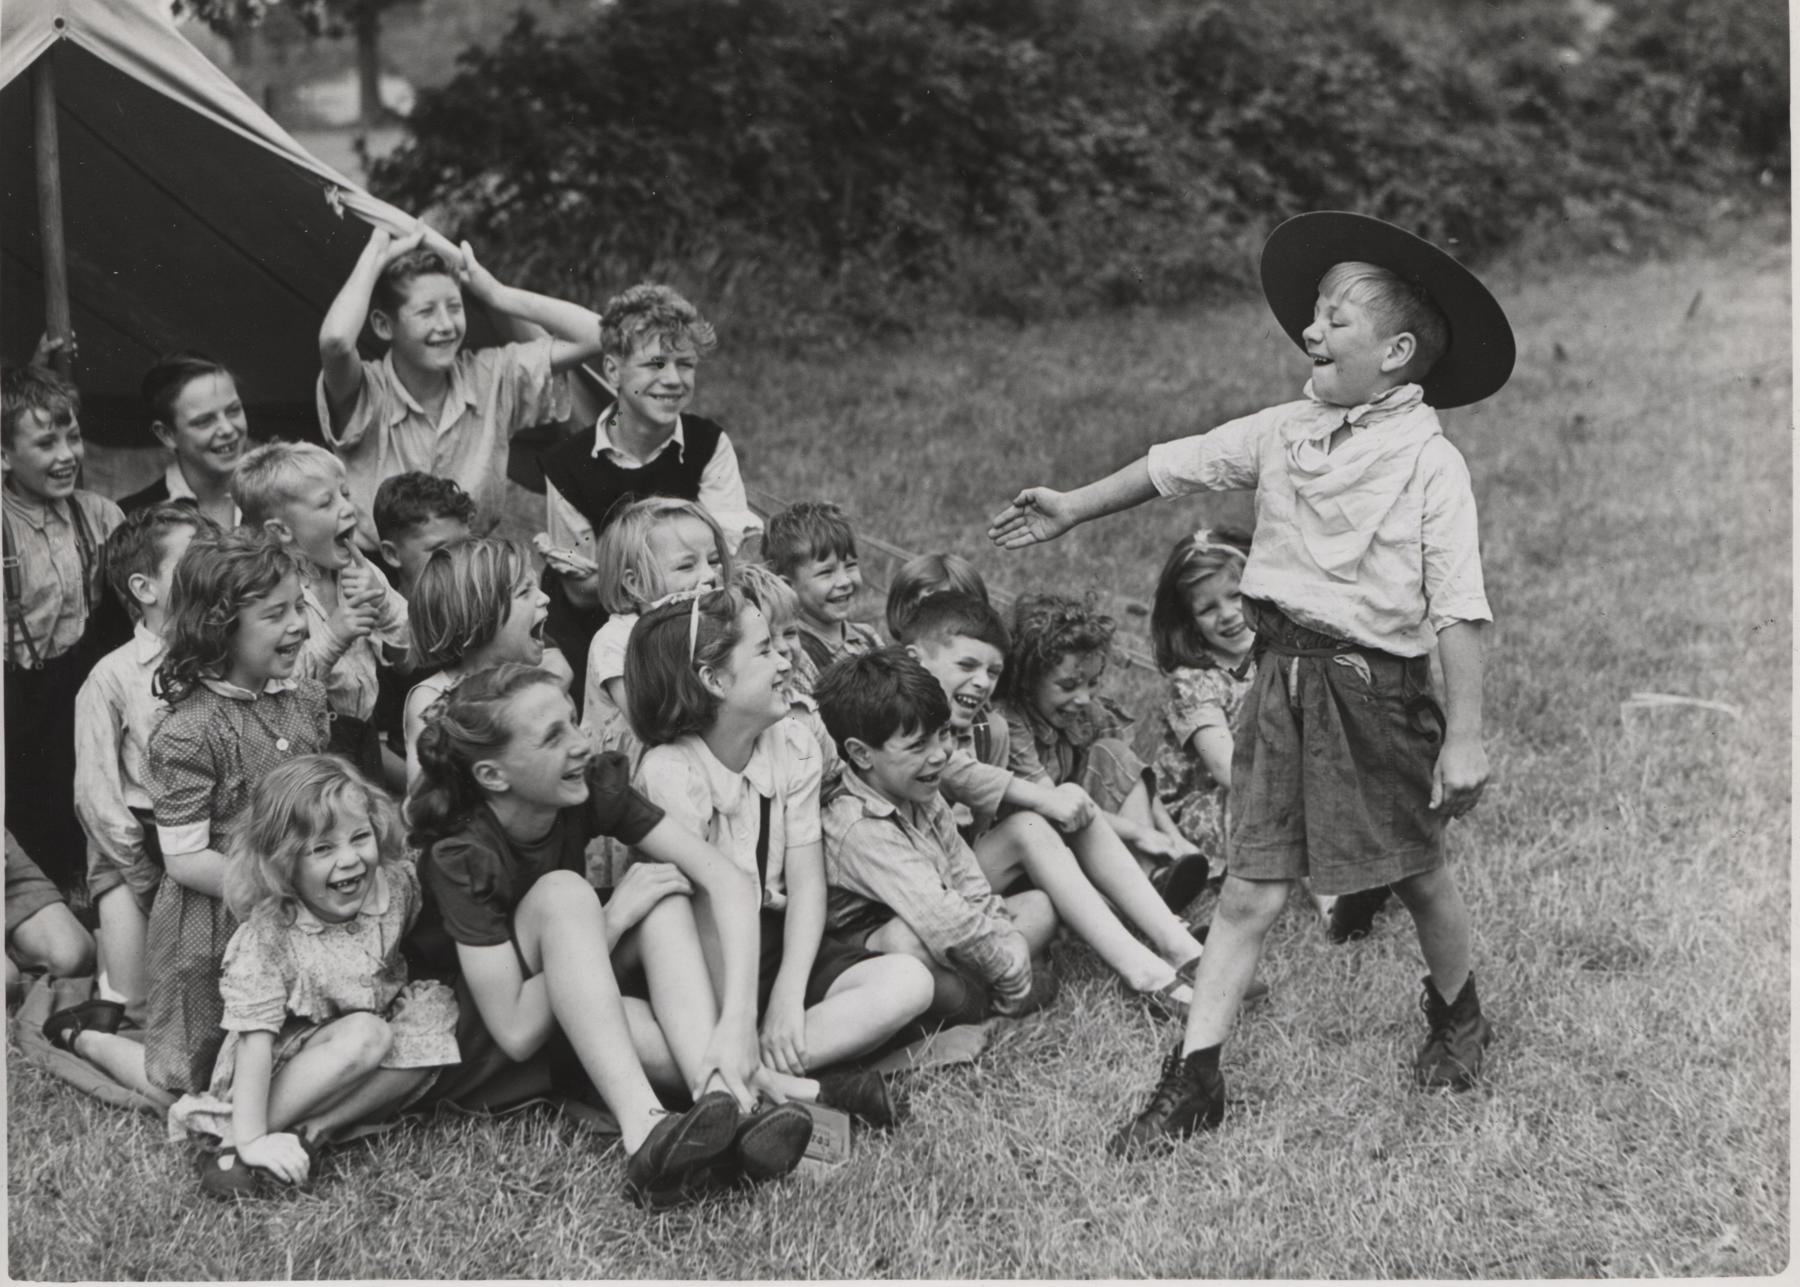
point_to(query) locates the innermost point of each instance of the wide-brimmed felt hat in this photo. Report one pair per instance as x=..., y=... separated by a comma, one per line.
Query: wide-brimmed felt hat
x=1479, y=358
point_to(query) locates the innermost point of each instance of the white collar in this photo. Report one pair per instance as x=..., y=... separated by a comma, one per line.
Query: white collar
x=727, y=785
x=146, y=643
x=224, y=689
x=603, y=438
x=176, y=484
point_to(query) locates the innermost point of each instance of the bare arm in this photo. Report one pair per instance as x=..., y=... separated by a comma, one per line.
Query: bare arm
x=343, y=322
x=1213, y=746
x=575, y=329
x=516, y=1010
x=1040, y=514
x=202, y=871
x=1462, y=767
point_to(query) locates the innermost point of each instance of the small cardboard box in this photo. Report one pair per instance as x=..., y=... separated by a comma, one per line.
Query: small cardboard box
x=830, y=1146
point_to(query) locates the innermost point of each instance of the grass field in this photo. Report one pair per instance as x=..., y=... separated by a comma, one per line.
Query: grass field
x=1630, y=881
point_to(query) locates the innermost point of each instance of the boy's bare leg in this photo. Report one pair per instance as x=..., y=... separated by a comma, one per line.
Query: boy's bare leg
x=867, y=1004
x=1116, y=874
x=1034, y=915
x=123, y=928
x=1026, y=843
x=54, y=939
x=122, y=1059
x=950, y=991
x=1442, y=921
x=1247, y=909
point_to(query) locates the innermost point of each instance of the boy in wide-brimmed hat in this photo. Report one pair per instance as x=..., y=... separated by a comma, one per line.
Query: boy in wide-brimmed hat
x=1366, y=553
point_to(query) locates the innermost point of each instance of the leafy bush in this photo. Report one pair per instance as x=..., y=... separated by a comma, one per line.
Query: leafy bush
x=828, y=163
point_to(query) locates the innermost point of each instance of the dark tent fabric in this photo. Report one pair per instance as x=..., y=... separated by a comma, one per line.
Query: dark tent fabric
x=192, y=220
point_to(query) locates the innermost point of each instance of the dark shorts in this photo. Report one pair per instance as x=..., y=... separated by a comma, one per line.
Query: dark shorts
x=143, y=876
x=1331, y=775
x=835, y=956
x=28, y=890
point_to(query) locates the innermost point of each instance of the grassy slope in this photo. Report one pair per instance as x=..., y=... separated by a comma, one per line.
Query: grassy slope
x=1631, y=889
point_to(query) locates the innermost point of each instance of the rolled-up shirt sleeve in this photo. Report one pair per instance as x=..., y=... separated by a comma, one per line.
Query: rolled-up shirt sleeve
x=1223, y=459
x=1450, y=539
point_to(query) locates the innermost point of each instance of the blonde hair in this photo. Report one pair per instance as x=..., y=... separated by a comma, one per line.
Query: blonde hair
x=266, y=478
x=773, y=597
x=624, y=546
x=462, y=599
x=294, y=804
x=1395, y=305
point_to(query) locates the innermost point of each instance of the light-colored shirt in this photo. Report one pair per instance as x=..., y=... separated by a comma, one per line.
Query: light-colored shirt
x=56, y=591
x=604, y=718
x=114, y=712
x=975, y=779
x=176, y=484
x=1421, y=570
x=911, y=860
x=691, y=786
x=721, y=491
x=493, y=394
x=348, y=669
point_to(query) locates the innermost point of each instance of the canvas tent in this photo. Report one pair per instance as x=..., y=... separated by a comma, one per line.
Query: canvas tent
x=190, y=218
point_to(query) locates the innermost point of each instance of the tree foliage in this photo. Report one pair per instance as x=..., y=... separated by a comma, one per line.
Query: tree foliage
x=1022, y=156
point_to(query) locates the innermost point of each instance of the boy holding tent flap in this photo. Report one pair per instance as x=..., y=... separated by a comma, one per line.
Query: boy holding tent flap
x=1366, y=551
x=429, y=404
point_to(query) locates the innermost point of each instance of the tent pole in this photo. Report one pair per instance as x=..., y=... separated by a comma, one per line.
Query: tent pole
x=50, y=213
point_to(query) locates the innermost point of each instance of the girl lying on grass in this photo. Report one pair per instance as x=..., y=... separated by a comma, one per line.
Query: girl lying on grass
x=1062, y=730
x=508, y=796
x=323, y=1031
x=709, y=696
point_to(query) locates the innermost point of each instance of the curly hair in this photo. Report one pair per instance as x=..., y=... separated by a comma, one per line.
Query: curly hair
x=1199, y=556
x=1045, y=629
x=217, y=578
x=406, y=501
x=664, y=696
x=291, y=807
x=651, y=311
x=464, y=726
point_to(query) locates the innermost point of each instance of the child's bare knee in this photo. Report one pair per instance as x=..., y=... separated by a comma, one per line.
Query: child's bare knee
x=1252, y=902
x=897, y=937
x=363, y=1039
x=1035, y=916
x=908, y=983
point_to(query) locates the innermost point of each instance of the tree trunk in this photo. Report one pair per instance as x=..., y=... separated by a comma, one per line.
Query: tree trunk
x=368, y=64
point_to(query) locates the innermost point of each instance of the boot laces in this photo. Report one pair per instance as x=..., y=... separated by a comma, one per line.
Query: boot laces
x=1172, y=1087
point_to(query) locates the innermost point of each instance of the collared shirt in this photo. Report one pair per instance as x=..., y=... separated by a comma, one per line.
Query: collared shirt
x=691, y=786
x=910, y=860
x=603, y=718
x=348, y=668
x=176, y=484
x=55, y=590
x=114, y=712
x=493, y=394
x=1040, y=751
x=721, y=490
x=1421, y=571
x=853, y=639
x=976, y=779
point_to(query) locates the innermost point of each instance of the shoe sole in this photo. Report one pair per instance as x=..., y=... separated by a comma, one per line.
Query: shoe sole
x=771, y=1145
x=706, y=1131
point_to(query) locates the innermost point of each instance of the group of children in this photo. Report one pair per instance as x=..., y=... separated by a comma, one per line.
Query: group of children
x=379, y=811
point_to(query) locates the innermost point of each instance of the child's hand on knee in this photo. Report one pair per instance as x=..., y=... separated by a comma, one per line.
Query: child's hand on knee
x=279, y=1153
x=1070, y=808
x=644, y=885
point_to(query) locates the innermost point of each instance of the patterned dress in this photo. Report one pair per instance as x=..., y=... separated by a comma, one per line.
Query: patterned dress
x=289, y=973
x=204, y=757
x=1198, y=698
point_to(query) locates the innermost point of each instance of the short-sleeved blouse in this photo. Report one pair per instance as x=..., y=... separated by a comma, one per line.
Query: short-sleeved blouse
x=207, y=753
x=1198, y=698
x=687, y=780
x=475, y=878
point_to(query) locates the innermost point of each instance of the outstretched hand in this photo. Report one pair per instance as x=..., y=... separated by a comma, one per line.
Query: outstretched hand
x=1035, y=515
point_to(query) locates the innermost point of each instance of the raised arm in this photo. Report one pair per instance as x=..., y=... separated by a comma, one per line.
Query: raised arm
x=1040, y=514
x=344, y=320
x=575, y=329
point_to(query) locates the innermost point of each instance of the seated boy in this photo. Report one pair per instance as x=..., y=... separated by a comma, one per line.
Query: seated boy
x=196, y=413
x=417, y=514
x=113, y=715
x=429, y=404
x=1366, y=547
x=1050, y=835
x=41, y=932
x=52, y=541
x=902, y=879
x=356, y=621
x=644, y=444
x=811, y=546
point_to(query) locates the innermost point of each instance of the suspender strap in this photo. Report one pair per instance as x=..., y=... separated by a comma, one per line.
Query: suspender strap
x=984, y=740
x=15, y=599
x=762, y=843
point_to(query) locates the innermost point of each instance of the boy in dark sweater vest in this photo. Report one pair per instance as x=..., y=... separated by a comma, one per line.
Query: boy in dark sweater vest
x=643, y=445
